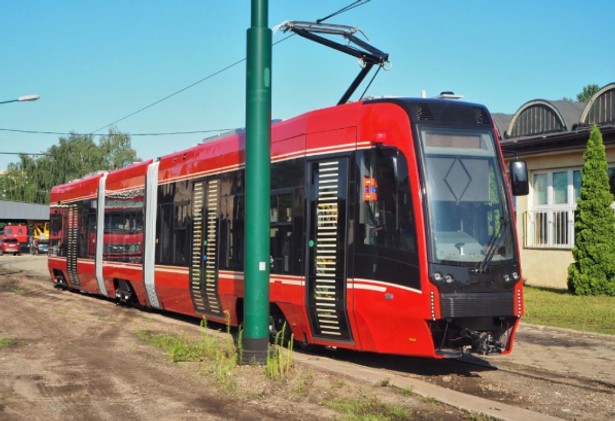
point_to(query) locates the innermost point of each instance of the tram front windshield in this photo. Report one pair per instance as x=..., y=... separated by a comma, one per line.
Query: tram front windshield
x=466, y=203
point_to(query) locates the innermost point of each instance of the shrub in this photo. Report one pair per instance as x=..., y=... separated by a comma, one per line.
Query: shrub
x=593, y=269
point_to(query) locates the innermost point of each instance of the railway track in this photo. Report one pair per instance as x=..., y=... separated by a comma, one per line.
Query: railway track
x=535, y=373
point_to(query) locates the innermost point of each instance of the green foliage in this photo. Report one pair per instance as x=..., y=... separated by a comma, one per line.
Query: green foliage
x=31, y=179
x=587, y=92
x=593, y=269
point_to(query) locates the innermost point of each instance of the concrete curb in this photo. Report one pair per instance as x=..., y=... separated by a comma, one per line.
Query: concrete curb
x=498, y=410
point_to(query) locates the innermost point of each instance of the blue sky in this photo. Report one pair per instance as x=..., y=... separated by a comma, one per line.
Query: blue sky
x=94, y=62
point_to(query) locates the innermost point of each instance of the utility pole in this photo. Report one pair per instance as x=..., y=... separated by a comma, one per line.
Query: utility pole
x=258, y=184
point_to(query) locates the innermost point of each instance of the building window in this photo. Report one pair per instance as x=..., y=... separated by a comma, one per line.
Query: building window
x=550, y=221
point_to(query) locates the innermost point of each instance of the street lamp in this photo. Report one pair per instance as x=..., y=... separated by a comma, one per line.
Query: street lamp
x=24, y=98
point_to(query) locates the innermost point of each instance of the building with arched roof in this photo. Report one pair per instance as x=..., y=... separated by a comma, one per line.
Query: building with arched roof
x=551, y=137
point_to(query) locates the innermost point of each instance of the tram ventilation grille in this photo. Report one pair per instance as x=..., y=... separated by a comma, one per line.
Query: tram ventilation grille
x=424, y=113
x=477, y=305
x=481, y=116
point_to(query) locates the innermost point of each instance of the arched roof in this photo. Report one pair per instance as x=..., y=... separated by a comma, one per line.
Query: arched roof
x=601, y=107
x=540, y=116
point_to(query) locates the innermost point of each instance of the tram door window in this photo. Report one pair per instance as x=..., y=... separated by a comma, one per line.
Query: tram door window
x=231, y=215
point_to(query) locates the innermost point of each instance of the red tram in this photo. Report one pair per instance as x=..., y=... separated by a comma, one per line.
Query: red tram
x=391, y=230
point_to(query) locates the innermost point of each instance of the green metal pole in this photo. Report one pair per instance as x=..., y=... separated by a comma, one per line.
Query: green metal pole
x=258, y=171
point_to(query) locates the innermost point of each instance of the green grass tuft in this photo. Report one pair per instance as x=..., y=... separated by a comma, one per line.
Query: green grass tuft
x=7, y=342
x=368, y=409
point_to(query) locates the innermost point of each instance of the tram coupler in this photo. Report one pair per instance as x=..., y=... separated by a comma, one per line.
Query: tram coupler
x=59, y=282
x=123, y=297
x=483, y=342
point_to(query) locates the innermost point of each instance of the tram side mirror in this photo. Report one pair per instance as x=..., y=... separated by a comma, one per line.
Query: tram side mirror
x=400, y=170
x=518, y=178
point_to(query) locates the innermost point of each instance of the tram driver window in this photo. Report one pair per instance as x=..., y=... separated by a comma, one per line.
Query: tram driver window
x=385, y=216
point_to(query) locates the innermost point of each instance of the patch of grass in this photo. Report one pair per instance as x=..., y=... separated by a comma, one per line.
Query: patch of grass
x=179, y=349
x=220, y=357
x=7, y=342
x=560, y=308
x=404, y=391
x=304, y=384
x=472, y=416
x=368, y=409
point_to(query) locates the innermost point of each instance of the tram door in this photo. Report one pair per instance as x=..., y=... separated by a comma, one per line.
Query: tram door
x=204, y=266
x=71, y=236
x=326, y=257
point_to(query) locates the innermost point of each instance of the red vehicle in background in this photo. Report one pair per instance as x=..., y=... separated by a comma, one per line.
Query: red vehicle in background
x=10, y=245
x=18, y=232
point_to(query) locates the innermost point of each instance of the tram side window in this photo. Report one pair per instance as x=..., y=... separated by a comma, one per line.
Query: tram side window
x=287, y=209
x=87, y=229
x=174, y=222
x=57, y=235
x=281, y=232
x=387, y=246
x=123, y=226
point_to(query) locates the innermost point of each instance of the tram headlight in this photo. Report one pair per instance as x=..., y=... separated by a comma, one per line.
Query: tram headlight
x=507, y=278
x=448, y=278
x=515, y=276
x=437, y=277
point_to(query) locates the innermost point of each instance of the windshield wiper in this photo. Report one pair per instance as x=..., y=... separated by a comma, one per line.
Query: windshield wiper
x=492, y=246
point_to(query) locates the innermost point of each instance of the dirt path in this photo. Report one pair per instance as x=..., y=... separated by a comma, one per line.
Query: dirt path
x=77, y=357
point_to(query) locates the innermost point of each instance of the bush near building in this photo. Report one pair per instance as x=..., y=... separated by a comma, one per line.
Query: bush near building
x=593, y=269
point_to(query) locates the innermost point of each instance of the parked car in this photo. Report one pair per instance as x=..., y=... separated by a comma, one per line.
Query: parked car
x=10, y=245
x=40, y=246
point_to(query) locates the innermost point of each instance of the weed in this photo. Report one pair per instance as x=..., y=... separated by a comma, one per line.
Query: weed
x=384, y=382
x=280, y=359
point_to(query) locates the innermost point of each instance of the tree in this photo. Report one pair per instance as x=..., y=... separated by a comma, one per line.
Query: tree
x=593, y=269
x=31, y=180
x=587, y=92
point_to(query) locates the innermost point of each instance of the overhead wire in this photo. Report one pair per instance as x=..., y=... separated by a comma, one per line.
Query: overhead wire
x=106, y=134
x=344, y=9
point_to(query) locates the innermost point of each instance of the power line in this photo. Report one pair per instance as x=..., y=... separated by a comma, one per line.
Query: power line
x=43, y=132
x=351, y=6
x=22, y=153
